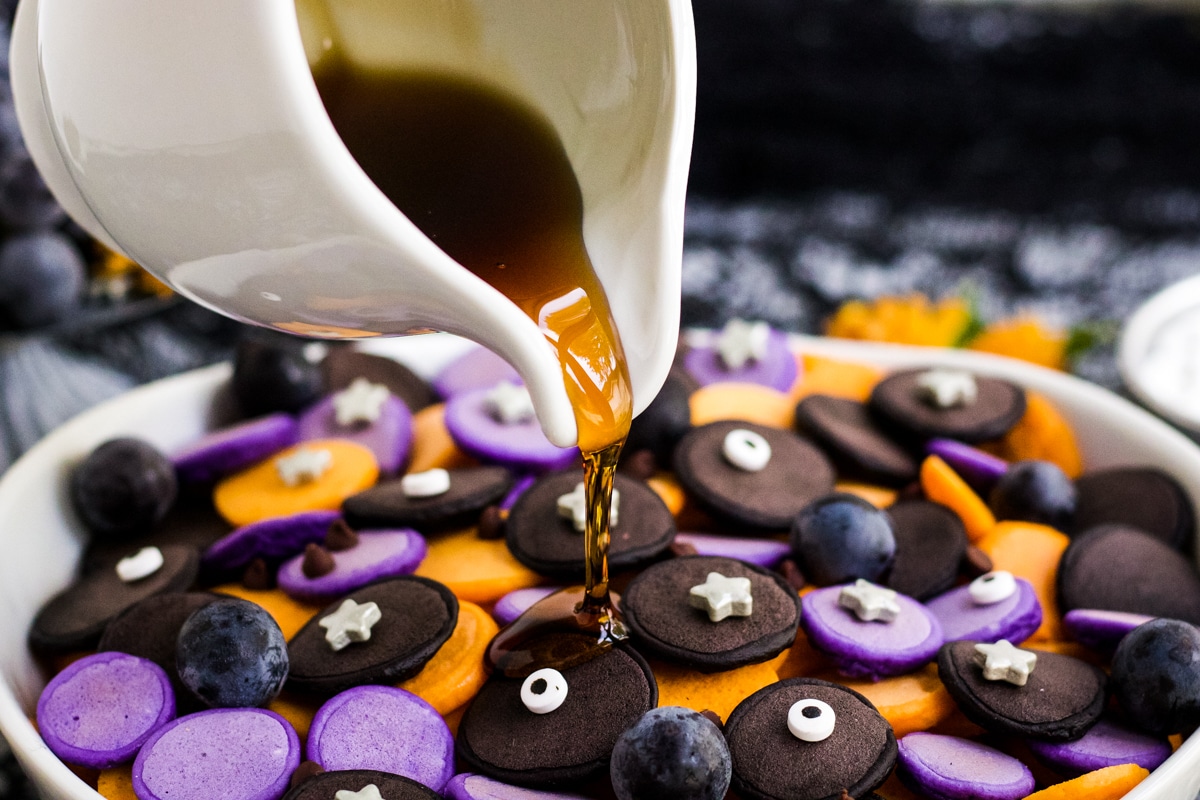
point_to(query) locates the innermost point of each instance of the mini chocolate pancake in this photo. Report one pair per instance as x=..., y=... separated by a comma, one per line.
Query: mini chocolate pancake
x=1060, y=700
x=664, y=623
x=501, y=738
x=326, y=785
x=343, y=365
x=1120, y=568
x=75, y=618
x=547, y=541
x=767, y=499
x=772, y=763
x=192, y=522
x=846, y=431
x=898, y=401
x=930, y=545
x=387, y=505
x=416, y=617
x=150, y=628
x=1141, y=497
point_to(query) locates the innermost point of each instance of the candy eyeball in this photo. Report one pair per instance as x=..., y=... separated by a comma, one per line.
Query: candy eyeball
x=992, y=587
x=544, y=690
x=811, y=720
x=746, y=450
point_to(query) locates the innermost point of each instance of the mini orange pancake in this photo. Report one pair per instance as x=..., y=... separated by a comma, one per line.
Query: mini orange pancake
x=297, y=709
x=432, y=445
x=116, y=783
x=749, y=402
x=709, y=691
x=1110, y=783
x=1042, y=433
x=878, y=496
x=290, y=615
x=942, y=484
x=1032, y=552
x=669, y=491
x=830, y=376
x=456, y=672
x=258, y=493
x=914, y=702
x=476, y=570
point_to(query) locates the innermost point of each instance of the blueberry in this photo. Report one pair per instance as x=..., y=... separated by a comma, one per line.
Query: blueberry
x=270, y=377
x=671, y=752
x=42, y=277
x=231, y=654
x=1035, y=491
x=1156, y=676
x=840, y=537
x=123, y=488
x=663, y=423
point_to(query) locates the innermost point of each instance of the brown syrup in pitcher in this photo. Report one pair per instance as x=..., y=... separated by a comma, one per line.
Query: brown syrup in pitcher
x=486, y=178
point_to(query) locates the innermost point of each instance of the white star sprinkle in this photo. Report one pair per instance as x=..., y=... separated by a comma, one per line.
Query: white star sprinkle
x=869, y=602
x=722, y=597
x=305, y=465
x=740, y=342
x=142, y=564
x=360, y=402
x=368, y=792
x=510, y=403
x=573, y=506
x=947, y=388
x=350, y=623
x=1004, y=662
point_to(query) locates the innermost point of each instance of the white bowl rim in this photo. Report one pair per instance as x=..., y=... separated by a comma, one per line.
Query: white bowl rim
x=1178, y=778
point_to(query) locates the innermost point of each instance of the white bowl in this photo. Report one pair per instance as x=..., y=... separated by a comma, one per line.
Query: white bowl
x=1152, y=364
x=43, y=540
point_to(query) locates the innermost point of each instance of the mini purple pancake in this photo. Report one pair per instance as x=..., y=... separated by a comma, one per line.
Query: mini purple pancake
x=328, y=785
x=479, y=368
x=378, y=555
x=468, y=786
x=1062, y=698
x=979, y=469
x=777, y=368
x=383, y=728
x=1120, y=568
x=1101, y=630
x=871, y=650
x=521, y=446
x=769, y=763
x=1107, y=744
x=518, y=601
x=272, y=540
x=101, y=709
x=248, y=753
x=762, y=552
x=389, y=437
x=228, y=450
x=950, y=768
x=1015, y=618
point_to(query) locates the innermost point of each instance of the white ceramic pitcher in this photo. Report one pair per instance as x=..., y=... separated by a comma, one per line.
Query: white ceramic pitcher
x=189, y=134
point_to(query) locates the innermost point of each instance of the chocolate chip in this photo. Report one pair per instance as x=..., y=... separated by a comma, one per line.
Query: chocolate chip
x=491, y=524
x=340, y=537
x=317, y=561
x=792, y=574
x=256, y=576
x=641, y=465
x=976, y=562
x=306, y=770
